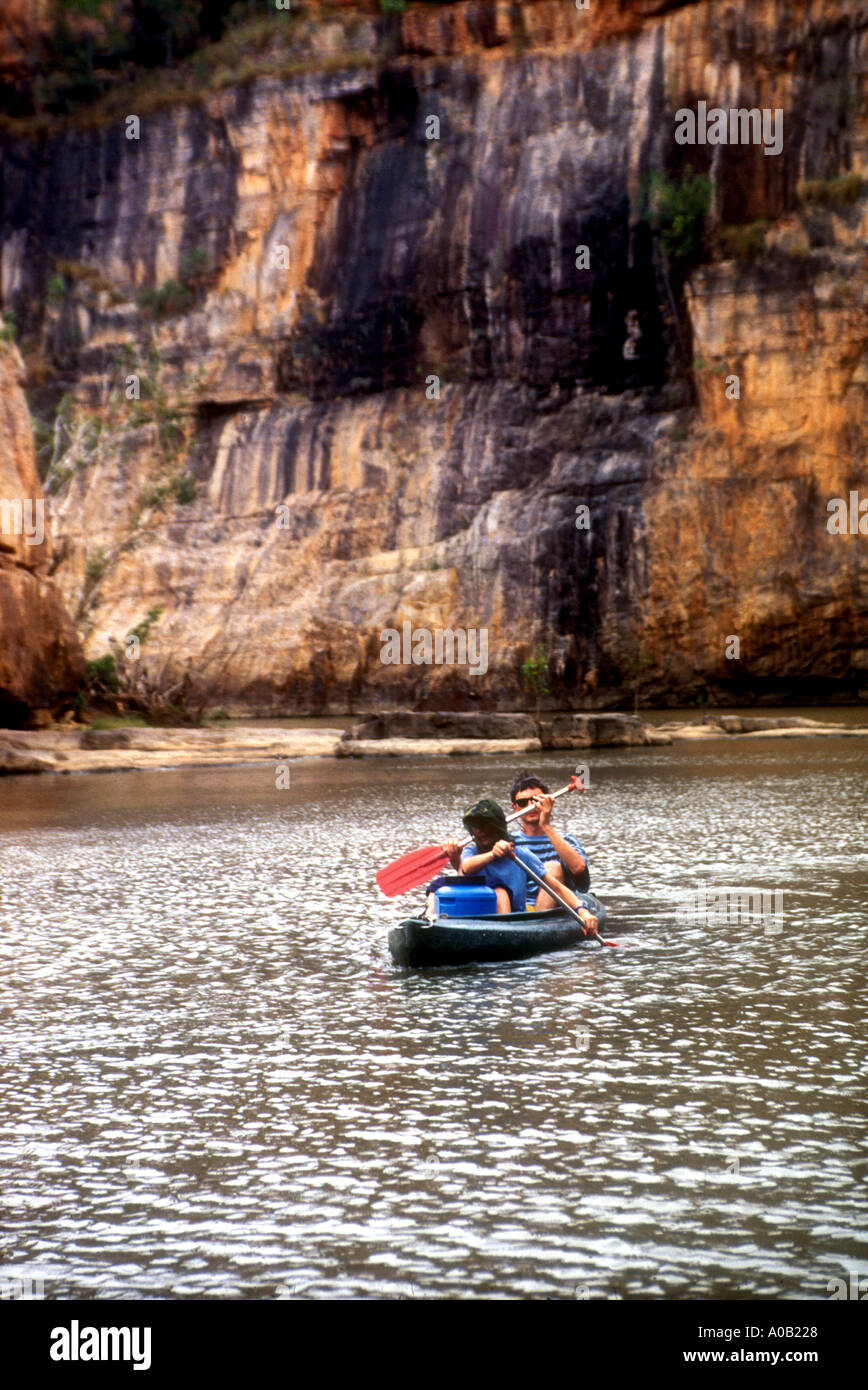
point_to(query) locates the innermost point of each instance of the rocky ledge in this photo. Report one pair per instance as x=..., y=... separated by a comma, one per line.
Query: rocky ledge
x=409, y=732
x=116, y=750
x=402, y=733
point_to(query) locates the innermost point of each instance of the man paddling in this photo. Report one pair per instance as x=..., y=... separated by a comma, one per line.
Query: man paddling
x=492, y=859
x=562, y=855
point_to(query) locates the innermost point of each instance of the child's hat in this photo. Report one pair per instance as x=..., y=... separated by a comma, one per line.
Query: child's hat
x=486, y=812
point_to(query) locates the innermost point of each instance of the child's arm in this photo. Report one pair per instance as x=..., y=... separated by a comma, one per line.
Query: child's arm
x=479, y=861
x=475, y=863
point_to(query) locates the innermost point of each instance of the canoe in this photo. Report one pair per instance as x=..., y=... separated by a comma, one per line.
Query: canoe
x=500, y=936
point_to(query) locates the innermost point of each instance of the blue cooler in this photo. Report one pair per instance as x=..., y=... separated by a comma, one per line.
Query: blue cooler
x=465, y=900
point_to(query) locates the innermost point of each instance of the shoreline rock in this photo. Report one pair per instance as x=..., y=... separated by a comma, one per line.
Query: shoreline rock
x=440, y=747
x=125, y=749
x=68, y=750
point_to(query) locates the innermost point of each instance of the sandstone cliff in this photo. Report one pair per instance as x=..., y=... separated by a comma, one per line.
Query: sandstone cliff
x=283, y=268
x=40, y=655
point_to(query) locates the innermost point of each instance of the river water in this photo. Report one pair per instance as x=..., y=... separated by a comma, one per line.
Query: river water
x=215, y=1082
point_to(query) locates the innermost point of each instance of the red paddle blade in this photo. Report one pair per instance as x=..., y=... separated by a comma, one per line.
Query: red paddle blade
x=411, y=870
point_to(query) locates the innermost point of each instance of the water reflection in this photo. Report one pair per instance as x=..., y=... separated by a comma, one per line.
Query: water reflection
x=217, y=1084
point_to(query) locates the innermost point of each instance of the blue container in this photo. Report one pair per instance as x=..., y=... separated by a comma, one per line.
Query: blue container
x=465, y=900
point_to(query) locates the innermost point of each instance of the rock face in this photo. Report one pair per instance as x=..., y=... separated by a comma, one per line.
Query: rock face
x=444, y=724
x=394, y=382
x=563, y=731
x=41, y=661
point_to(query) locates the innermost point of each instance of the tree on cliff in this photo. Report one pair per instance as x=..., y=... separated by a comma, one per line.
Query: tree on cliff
x=535, y=674
x=163, y=30
x=67, y=53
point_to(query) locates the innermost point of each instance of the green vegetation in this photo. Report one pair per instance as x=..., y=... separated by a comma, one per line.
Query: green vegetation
x=177, y=296
x=744, y=243
x=142, y=630
x=96, y=45
x=83, y=279
x=185, y=489
x=119, y=721
x=56, y=290
x=95, y=567
x=171, y=298
x=162, y=403
x=102, y=675
x=9, y=328
x=182, y=488
x=678, y=212
x=138, y=56
x=535, y=674
x=102, y=60
x=830, y=193
x=702, y=364
x=72, y=440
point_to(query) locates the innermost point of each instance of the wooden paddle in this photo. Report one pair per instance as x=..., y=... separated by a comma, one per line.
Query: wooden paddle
x=413, y=868
x=593, y=936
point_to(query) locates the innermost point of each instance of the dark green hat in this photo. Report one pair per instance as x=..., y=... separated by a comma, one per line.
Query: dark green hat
x=489, y=813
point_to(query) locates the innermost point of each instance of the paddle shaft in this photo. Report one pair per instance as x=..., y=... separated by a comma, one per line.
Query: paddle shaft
x=548, y=888
x=555, y=894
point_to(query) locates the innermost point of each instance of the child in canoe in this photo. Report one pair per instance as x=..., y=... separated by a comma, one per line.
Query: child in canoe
x=492, y=859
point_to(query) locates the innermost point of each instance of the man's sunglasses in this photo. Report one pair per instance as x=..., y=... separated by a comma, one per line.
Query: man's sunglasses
x=527, y=800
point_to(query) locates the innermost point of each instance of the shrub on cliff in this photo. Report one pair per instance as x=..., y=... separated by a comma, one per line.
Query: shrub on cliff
x=678, y=212
x=167, y=300
x=70, y=53
x=535, y=674
x=181, y=489
x=102, y=676
x=744, y=243
x=839, y=192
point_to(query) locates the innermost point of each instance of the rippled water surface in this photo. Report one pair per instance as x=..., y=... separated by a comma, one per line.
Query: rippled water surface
x=216, y=1083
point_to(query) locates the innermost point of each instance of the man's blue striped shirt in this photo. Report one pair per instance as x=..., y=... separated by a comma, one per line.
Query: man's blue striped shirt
x=542, y=847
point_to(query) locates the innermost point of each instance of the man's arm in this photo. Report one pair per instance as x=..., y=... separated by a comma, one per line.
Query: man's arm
x=568, y=855
x=560, y=890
